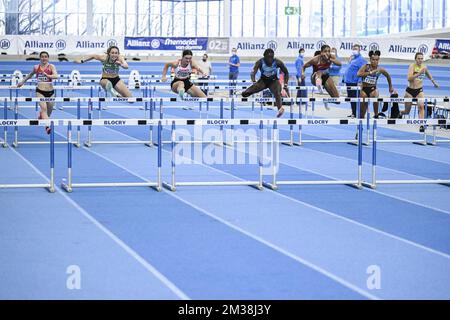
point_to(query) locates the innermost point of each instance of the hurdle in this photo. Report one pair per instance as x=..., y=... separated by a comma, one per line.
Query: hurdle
x=357, y=183
x=445, y=111
x=258, y=184
x=423, y=141
x=5, y=128
x=374, y=181
x=90, y=136
x=67, y=183
x=16, y=141
x=50, y=186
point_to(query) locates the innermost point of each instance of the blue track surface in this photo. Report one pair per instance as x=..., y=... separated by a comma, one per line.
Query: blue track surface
x=235, y=242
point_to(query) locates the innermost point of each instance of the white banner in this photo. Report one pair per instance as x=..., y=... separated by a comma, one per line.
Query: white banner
x=67, y=45
x=390, y=48
x=8, y=44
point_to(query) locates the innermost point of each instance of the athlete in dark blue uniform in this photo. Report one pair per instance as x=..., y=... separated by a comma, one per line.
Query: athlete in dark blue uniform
x=269, y=68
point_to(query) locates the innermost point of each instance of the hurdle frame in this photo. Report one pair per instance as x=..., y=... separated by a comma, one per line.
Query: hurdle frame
x=67, y=183
x=50, y=186
x=374, y=182
x=17, y=142
x=90, y=141
x=353, y=183
x=258, y=184
x=436, y=140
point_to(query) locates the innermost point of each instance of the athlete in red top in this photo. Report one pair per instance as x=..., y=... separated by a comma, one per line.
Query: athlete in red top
x=45, y=73
x=321, y=65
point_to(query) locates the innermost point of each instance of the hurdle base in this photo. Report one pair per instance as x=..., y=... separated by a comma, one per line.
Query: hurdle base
x=289, y=144
x=171, y=187
x=355, y=143
x=270, y=185
x=153, y=185
x=66, y=187
x=432, y=143
x=369, y=185
x=4, y=145
x=31, y=185
x=350, y=183
x=422, y=143
x=50, y=189
x=437, y=181
x=89, y=144
x=168, y=186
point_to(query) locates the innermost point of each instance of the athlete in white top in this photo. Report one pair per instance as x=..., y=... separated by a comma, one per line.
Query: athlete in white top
x=183, y=69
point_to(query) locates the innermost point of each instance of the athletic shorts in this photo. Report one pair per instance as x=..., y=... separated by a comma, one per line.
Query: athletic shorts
x=113, y=81
x=187, y=83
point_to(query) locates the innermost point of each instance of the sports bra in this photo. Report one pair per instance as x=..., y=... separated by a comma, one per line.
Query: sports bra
x=183, y=72
x=267, y=71
x=110, y=68
x=417, y=70
x=371, y=78
x=322, y=66
x=41, y=73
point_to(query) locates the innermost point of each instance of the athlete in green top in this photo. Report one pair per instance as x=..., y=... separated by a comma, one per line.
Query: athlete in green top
x=110, y=81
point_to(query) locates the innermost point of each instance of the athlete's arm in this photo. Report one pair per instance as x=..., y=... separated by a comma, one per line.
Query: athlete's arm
x=309, y=64
x=28, y=77
x=98, y=57
x=388, y=78
x=255, y=70
x=428, y=74
x=166, y=67
x=362, y=72
x=283, y=68
x=54, y=74
x=196, y=66
x=122, y=62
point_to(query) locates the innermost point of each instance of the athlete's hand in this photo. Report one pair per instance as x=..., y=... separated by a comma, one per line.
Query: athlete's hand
x=163, y=79
x=435, y=84
x=19, y=84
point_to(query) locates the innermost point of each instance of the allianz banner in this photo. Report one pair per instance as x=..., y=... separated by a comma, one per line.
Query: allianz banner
x=68, y=45
x=165, y=43
x=390, y=48
x=443, y=45
x=8, y=44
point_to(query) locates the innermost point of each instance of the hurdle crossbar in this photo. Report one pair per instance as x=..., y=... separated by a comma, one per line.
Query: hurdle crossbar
x=196, y=99
x=50, y=186
x=354, y=183
x=374, y=181
x=173, y=184
x=17, y=142
x=68, y=184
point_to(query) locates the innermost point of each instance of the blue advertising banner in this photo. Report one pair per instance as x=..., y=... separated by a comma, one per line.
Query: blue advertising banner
x=443, y=45
x=165, y=43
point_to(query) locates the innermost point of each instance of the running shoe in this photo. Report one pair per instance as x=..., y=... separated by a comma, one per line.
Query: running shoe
x=280, y=112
